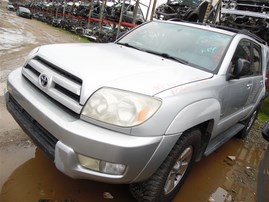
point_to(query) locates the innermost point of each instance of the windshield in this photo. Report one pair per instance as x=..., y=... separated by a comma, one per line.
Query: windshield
x=197, y=47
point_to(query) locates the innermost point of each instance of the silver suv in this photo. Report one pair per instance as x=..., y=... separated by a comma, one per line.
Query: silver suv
x=141, y=110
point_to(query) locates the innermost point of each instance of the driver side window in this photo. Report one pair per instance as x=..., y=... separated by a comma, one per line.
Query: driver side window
x=251, y=52
x=243, y=51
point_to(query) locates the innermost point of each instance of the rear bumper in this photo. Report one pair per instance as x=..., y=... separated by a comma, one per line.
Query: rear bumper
x=63, y=136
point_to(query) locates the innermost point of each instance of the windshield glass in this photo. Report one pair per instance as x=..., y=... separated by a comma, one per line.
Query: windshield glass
x=199, y=48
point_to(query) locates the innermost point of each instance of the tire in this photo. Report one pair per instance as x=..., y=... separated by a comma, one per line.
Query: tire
x=164, y=184
x=249, y=122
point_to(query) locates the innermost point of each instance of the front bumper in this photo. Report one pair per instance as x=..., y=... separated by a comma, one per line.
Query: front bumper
x=62, y=136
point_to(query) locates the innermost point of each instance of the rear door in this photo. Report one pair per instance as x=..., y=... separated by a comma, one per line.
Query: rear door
x=256, y=74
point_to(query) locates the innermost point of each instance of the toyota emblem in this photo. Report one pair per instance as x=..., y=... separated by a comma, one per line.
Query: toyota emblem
x=43, y=80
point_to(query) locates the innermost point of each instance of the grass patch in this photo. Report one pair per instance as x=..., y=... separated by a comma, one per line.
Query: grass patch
x=84, y=40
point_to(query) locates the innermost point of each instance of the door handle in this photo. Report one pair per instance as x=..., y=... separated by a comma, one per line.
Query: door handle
x=249, y=85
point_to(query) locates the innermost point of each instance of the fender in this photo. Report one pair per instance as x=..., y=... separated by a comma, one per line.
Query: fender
x=195, y=114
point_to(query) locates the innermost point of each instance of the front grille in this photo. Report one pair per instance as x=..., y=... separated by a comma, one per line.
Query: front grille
x=58, y=70
x=37, y=73
x=63, y=87
x=67, y=92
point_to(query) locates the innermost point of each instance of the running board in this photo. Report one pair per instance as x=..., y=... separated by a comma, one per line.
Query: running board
x=222, y=138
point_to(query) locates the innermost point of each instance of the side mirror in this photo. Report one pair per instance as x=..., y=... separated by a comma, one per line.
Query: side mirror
x=265, y=132
x=241, y=68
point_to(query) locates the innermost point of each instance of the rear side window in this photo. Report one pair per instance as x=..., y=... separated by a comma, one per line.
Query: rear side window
x=256, y=66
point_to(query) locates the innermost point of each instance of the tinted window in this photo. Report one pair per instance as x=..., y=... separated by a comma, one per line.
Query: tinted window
x=257, y=62
x=251, y=52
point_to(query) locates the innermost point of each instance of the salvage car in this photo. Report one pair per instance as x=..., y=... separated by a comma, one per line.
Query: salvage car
x=144, y=109
x=188, y=10
x=252, y=15
x=113, y=12
x=10, y=7
x=24, y=12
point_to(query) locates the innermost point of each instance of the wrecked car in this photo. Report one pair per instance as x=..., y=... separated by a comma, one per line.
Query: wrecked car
x=252, y=15
x=187, y=10
x=113, y=12
x=24, y=12
x=141, y=110
x=10, y=7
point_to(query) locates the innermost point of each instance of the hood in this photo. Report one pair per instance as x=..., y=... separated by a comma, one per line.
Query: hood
x=121, y=67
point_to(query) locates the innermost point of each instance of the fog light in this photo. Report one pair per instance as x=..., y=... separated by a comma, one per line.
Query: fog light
x=101, y=166
x=88, y=162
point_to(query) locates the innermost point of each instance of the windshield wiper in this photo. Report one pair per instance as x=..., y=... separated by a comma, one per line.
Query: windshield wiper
x=167, y=56
x=130, y=46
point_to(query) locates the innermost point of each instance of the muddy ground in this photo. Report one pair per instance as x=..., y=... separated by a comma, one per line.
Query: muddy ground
x=27, y=175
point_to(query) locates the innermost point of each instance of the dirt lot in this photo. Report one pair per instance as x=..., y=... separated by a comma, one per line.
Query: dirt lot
x=26, y=174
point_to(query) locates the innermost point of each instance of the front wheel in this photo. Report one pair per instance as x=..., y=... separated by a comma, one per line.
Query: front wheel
x=164, y=184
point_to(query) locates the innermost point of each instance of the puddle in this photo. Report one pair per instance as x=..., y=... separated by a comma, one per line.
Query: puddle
x=33, y=177
x=217, y=178
x=14, y=38
x=11, y=158
x=37, y=179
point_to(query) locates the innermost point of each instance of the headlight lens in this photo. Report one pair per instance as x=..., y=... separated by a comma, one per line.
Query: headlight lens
x=119, y=107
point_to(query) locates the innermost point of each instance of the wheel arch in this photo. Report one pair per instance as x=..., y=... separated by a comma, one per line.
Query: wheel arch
x=202, y=115
x=196, y=114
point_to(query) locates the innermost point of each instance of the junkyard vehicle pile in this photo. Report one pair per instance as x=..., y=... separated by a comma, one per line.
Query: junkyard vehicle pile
x=101, y=21
x=252, y=15
x=182, y=9
x=96, y=20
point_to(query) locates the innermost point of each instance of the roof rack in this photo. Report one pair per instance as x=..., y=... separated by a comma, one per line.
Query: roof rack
x=240, y=31
x=246, y=32
x=235, y=30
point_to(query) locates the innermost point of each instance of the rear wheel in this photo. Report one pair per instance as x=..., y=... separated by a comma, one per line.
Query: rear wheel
x=167, y=180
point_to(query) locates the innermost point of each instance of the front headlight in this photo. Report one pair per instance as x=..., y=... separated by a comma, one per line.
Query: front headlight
x=120, y=107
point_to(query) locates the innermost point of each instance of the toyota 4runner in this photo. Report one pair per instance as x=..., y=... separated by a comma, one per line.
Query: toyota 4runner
x=143, y=109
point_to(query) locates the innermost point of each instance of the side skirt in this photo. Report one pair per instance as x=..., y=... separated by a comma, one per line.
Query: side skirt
x=222, y=138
